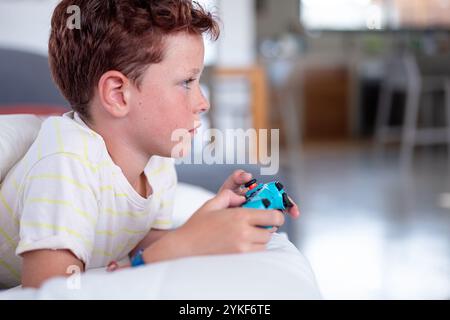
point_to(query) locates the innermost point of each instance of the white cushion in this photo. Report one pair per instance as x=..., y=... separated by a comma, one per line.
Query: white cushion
x=17, y=133
x=281, y=272
x=188, y=199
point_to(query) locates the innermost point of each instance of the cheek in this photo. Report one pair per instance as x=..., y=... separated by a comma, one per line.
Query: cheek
x=166, y=119
x=165, y=111
x=178, y=110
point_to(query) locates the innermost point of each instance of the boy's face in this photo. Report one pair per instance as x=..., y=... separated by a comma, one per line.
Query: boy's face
x=169, y=97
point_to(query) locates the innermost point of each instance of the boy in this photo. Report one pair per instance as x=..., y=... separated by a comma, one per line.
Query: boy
x=98, y=183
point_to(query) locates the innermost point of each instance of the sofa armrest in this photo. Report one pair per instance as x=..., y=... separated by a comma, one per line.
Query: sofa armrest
x=188, y=199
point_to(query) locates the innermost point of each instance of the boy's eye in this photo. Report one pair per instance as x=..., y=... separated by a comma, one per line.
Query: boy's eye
x=186, y=83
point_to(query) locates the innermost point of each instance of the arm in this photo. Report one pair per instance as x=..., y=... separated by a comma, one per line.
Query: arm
x=54, y=237
x=152, y=236
x=56, y=263
x=201, y=234
x=218, y=227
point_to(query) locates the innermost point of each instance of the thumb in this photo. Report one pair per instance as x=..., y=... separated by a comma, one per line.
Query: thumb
x=237, y=178
x=224, y=199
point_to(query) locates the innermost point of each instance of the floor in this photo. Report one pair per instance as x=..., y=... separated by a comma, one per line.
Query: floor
x=371, y=230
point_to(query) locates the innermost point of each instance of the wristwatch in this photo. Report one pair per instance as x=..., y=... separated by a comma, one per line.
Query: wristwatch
x=137, y=259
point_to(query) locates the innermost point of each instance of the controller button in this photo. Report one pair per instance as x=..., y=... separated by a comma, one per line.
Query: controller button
x=286, y=202
x=279, y=186
x=266, y=202
x=250, y=183
x=253, y=186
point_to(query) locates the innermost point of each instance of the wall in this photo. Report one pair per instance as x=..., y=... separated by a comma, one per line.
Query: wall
x=237, y=46
x=25, y=24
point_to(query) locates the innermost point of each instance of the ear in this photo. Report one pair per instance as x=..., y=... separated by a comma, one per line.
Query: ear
x=114, y=91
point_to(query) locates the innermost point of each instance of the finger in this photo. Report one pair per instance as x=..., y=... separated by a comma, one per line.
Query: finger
x=241, y=177
x=224, y=199
x=242, y=191
x=266, y=218
x=236, y=179
x=114, y=266
x=293, y=211
x=257, y=247
x=273, y=229
x=261, y=236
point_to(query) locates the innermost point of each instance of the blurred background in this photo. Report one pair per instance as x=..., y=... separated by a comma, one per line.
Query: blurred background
x=360, y=90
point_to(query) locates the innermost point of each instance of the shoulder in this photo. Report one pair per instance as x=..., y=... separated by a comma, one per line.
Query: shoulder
x=63, y=135
x=63, y=145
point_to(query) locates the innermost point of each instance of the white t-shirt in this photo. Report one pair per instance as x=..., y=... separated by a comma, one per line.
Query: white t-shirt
x=67, y=193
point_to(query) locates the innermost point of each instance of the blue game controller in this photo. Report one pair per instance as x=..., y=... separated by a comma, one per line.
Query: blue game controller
x=266, y=196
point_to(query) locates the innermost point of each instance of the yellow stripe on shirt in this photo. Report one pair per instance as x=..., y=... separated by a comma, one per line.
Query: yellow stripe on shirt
x=120, y=195
x=15, y=184
x=61, y=178
x=39, y=149
x=132, y=214
x=86, y=163
x=8, y=209
x=54, y=227
x=112, y=254
x=159, y=170
x=165, y=204
x=123, y=230
x=164, y=222
x=8, y=238
x=59, y=140
x=64, y=203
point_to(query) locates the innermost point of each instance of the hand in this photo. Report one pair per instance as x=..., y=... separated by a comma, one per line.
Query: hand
x=240, y=177
x=235, y=181
x=114, y=266
x=221, y=227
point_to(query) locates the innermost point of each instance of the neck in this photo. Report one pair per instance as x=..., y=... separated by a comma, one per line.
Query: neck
x=121, y=151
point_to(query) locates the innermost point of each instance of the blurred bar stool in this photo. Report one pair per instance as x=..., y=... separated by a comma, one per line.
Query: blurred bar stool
x=402, y=74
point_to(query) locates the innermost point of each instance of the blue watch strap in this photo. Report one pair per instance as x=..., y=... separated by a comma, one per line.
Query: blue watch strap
x=138, y=260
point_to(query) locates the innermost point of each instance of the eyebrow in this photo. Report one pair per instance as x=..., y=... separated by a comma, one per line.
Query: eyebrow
x=195, y=71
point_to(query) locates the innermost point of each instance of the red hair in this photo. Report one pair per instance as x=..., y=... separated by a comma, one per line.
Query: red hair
x=122, y=35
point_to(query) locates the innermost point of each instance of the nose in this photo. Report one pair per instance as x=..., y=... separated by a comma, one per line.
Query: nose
x=202, y=103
